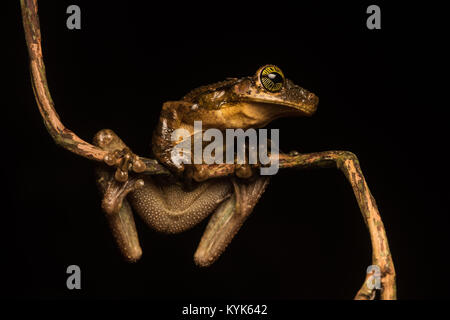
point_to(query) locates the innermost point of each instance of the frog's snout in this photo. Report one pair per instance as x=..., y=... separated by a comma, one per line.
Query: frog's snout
x=313, y=99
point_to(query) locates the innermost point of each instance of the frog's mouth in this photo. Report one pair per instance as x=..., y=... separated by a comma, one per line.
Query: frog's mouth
x=293, y=101
x=287, y=107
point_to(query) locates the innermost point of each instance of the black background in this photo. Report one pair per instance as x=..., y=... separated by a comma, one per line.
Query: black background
x=306, y=239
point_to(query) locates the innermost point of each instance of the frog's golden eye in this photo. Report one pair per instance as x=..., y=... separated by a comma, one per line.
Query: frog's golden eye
x=271, y=78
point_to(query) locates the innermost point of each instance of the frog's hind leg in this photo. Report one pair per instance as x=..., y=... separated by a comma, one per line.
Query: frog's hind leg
x=117, y=209
x=118, y=212
x=228, y=219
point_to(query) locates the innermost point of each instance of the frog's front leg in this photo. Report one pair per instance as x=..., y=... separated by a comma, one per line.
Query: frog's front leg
x=202, y=172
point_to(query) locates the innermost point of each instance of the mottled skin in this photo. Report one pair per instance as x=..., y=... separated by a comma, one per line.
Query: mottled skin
x=171, y=205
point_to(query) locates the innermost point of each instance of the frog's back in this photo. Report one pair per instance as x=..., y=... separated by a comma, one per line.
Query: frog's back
x=194, y=95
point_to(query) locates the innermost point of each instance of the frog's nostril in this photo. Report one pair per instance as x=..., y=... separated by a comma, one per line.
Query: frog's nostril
x=313, y=98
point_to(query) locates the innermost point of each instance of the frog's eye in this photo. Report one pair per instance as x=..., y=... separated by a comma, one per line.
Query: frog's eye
x=271, y=78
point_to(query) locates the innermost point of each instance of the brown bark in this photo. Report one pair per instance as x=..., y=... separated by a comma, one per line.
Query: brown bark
x=60, y=134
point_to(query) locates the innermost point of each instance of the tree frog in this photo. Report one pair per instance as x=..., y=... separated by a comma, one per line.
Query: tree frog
x=166, y=204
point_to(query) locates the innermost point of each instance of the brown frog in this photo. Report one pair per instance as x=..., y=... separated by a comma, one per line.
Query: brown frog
x=165, y=203
x=250, y=102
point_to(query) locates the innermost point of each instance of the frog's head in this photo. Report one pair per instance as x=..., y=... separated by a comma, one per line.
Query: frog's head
x=269, y=86
x=252, y=101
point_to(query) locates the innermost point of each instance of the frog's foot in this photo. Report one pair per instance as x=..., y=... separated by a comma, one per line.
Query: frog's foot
x=118, y=212
x=115, y=192
x=244, y=171
x=119, y=155
x=124, y=160
x=202, y=172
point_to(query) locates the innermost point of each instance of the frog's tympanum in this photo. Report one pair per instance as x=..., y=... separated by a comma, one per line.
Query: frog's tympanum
x=172, y=197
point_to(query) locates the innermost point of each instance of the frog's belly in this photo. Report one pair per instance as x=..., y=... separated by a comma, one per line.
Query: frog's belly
x=170, y=209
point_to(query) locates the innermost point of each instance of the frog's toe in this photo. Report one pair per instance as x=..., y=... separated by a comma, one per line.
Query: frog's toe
x=124, y=160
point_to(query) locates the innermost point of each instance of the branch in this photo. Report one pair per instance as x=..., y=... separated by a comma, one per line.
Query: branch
x=60, y=134
x=349, y=165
